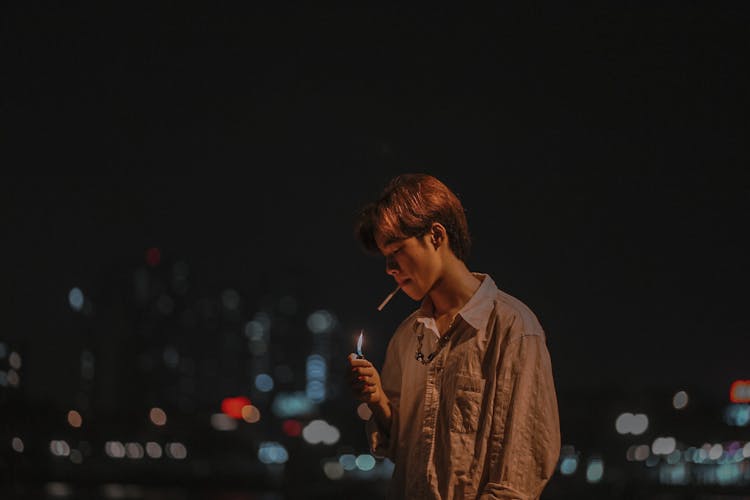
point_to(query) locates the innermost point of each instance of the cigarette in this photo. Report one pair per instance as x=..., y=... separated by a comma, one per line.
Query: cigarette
x=388, y=298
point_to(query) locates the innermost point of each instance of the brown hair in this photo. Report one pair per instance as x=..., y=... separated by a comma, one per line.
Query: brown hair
x=408, y=206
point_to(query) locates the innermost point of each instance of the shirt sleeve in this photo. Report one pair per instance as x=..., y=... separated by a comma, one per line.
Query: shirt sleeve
x=525, y=435
x=382, y=441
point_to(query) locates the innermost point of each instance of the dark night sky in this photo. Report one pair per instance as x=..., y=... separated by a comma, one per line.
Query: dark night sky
x=601, y=153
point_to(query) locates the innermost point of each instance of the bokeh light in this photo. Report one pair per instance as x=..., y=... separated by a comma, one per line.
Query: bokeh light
x=629, y=423
x=76, y=456
x=739, y=391
x=272, y=452
x=134, y=450
x=321, y=321
x=363, y=411
x=333, y=470
x=264, y=382
x=680, y=400
x=348, y=461
x=176, y=450
x=12, y=378
x=232, y=406
x=74, y=419
x=594, y=470
x=292, y=427
x=153, y=256
x=295, y=404
x=223, y=422
x=157, y=416
x=250, y=414
x=14, y=360
x=59, y=448
x=320, y=431
x=568, y=465
x=17, y=444
x=114, y=449
x=663, y=445
x=365, y=462
x=76, y=299
x=153, y=449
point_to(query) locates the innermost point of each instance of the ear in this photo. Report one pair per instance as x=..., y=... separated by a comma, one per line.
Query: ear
x=438, y=236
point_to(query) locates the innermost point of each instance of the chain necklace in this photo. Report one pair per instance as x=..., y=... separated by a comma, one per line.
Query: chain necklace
x=442, y=341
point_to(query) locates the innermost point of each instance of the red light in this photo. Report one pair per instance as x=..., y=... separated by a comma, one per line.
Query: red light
x=153, y=256
x=292, y=427
x=739, y=392
x=233, y=406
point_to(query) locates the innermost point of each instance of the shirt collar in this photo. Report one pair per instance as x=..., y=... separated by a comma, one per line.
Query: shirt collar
x=475, y=312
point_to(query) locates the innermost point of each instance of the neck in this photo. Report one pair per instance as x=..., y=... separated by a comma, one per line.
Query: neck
x=454, y=289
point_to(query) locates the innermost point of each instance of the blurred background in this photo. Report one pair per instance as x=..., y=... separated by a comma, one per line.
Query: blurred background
x=181, y=285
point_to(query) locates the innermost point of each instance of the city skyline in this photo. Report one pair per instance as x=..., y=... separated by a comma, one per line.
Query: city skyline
x=162, y=164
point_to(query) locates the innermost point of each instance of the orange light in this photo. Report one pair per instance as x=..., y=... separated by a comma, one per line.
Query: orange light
x=74, y=418
x=232, y=407
x=739, y=391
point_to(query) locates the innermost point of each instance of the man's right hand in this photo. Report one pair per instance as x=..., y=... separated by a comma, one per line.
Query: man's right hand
x=364, y=380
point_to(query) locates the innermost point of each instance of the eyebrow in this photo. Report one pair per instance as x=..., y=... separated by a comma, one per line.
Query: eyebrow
x=388, y=243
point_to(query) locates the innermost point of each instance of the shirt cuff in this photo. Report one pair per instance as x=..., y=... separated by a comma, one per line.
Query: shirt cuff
x=378, y=439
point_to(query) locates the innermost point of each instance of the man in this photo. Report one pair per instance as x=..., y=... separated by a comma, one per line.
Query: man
x=466, y=404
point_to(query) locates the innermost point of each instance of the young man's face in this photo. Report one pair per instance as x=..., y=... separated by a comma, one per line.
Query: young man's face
x=413, y=262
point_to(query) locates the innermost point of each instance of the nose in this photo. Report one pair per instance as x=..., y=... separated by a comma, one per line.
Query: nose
x=391, y=267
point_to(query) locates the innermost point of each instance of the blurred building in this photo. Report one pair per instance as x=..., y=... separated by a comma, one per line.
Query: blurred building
x=192, y=389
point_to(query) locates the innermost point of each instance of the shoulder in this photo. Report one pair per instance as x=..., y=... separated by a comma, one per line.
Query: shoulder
x=515, y=317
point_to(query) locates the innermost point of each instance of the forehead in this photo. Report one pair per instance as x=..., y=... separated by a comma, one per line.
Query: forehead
x=388, y=246
x=388, y=242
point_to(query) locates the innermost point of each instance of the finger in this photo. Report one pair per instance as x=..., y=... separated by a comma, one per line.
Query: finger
x=352, y=360
x=365, y=371
x=359, y=362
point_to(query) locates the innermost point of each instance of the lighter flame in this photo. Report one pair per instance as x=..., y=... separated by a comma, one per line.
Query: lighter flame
x=359, y=342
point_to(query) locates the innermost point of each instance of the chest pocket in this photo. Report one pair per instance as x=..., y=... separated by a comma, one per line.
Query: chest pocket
x=467, y=404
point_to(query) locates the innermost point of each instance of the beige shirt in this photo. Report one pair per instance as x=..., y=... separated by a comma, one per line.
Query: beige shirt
x=479, y=421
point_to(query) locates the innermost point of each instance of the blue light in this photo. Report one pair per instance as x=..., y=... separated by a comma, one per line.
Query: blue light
x=316, y=367
x=595, y=470
x=568, y=465
x=673, y=474
x=737, y=414
x=297, y=404
x=316, y=391
x=75, y=299
x=271, y=452
x=365, y=462
x=728, y=474
x=320, y=321
x=348, y=461
x=264, y=382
